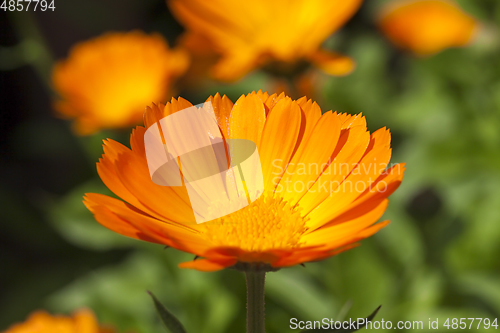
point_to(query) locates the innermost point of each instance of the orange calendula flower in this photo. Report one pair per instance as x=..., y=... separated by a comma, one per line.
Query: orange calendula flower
x=325, y=177
x=427, y=26
x=282, y=34
x=83, y=321
x=106, y=82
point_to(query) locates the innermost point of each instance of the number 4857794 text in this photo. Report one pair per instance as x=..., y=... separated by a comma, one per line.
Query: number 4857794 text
x=21, y=5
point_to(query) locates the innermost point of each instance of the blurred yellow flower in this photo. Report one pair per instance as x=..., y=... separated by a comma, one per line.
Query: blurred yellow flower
x=282, y=34
x=427, y=26
x=82, y=321
x=108, y=81
x=326, y=183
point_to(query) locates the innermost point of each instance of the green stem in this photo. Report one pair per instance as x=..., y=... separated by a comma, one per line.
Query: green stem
x=255, y=301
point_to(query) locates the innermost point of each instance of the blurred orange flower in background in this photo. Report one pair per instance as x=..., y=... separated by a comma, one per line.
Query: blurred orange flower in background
x=82, y=321
x=106, y=82
x=297, y=219
x=427, y=26
x=281, y=33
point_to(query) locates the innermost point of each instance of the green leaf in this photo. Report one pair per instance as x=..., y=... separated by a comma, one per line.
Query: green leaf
x=369, y=318
x=172, y=324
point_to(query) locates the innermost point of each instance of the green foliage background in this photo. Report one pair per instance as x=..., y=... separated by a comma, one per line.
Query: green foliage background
x=439, y=258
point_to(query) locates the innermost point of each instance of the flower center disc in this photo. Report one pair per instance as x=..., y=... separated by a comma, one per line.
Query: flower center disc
x=267, y=223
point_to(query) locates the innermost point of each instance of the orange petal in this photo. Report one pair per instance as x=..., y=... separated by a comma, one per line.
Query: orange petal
x=153, y=114
x=264, y=96
x=383, y=187
x=332, y=249
x=108, y=173
x=176, y=105
x=279, y=138
x=222, y=108
x=98, y=205
x=352, y=238
x=307, y=164
x=312, y=113
x=247, y=119
x=351, y=146
x=124, y=219
x=299, y=257
x=332, y=63
x=209, y=265
x=362, y=176
x=272, y=100
x=344, y=226
x=168, y=202
x=350, y=121
x=137, y=141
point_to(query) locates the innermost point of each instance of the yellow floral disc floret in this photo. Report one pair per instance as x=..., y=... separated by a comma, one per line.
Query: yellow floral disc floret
x=267, y=223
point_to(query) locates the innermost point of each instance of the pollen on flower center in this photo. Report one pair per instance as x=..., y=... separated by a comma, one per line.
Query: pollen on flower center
x=267, y=223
